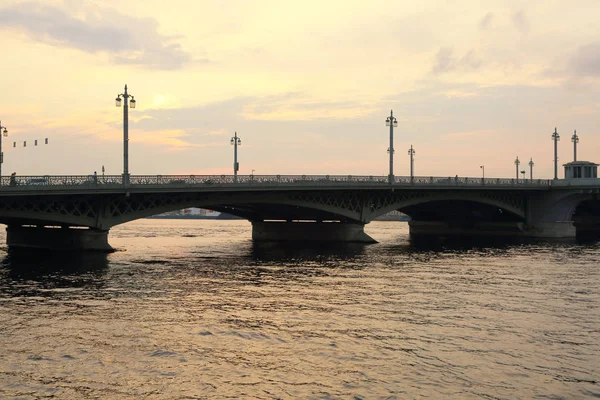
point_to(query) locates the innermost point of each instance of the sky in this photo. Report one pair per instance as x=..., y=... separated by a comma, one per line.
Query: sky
x=307, y=85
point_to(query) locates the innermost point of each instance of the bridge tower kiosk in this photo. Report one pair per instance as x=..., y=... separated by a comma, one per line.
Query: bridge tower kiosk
x=586, y=220
x=581, y=170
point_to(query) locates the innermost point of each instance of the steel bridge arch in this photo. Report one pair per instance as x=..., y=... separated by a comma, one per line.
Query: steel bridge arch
x=340, y=206
x=103, y=211
x=561, y=206
x=510, y=202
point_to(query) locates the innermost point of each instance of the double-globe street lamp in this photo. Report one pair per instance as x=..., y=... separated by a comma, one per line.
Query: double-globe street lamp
x=235, y=141
x=411, y=153
x=575, y=140
x=555, y=138
x=4, y=132
x=392, y=122
x=125, y=96
x=531, y=164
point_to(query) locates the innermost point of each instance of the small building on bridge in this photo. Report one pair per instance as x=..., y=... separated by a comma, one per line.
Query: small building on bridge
x=581, y=169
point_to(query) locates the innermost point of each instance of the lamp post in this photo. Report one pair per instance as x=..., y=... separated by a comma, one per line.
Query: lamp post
x=575, y=140
x=125, y=96
x=523, y=174
x=517, y=162
x=235, y=141
x=482, y=172
x=392, y=122
x=4, y=132
x=531, y=164
x=556, y=138
x=411, y=152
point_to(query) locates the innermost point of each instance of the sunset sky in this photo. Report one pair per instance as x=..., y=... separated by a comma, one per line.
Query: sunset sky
x=306, y=84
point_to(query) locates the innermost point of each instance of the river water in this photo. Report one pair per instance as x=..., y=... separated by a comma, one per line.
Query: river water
x=193, y=309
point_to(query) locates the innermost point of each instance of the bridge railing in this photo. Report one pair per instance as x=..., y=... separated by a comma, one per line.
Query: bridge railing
x=474, y=181
x=259, y=180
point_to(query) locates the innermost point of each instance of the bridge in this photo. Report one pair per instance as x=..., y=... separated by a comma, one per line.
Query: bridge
x=77, y=212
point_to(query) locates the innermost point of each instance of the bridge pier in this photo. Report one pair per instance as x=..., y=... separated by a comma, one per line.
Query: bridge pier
x=310, y=231
x=557, y=229
x=38, y=237
x=501, y=229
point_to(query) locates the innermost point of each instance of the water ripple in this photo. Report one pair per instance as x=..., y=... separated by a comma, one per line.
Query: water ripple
x=194, y=309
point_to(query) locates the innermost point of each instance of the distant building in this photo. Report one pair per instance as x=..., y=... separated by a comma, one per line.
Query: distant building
x=394, y=215
x=191, y=212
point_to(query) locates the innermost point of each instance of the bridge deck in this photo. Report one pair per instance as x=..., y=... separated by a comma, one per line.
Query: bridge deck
x=162, y=183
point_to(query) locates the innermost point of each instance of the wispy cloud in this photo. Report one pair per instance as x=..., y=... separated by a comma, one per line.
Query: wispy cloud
x=586, y=60
x=445, y=61
x=580, y=71
x=127, y=39
x=300, y=107
x=486, y=21
x=519, y=20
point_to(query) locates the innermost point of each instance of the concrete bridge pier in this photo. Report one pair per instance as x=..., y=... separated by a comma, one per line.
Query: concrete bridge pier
x=57, y=238
x=556, y=229
x=310, y=231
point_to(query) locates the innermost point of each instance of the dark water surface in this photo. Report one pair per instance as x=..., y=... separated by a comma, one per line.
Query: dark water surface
x=193, y=309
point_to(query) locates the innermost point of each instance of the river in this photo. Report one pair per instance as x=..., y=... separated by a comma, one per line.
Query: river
x=191, y=309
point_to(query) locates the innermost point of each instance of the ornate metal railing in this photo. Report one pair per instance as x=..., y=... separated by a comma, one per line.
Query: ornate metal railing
x=82, y=181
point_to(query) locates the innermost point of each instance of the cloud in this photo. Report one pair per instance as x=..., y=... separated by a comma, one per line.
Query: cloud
x=445, y=61
x=486, y=21
x=586, y=60
x=171, y=140
x=520, y=21
x=128, y=39
x=470, y=60
x=300, y=107
x=205, y=119
x=580, y=70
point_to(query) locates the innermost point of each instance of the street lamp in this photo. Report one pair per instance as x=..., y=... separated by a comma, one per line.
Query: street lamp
x=411, y=152
x=482, y=172
x=517, y=162
x=523, y=174
x=4, y=132
x=575, y=140
x=392, y=122
x=125, y=98
x=556, y=138
x=235, y=141
x=531, y=164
